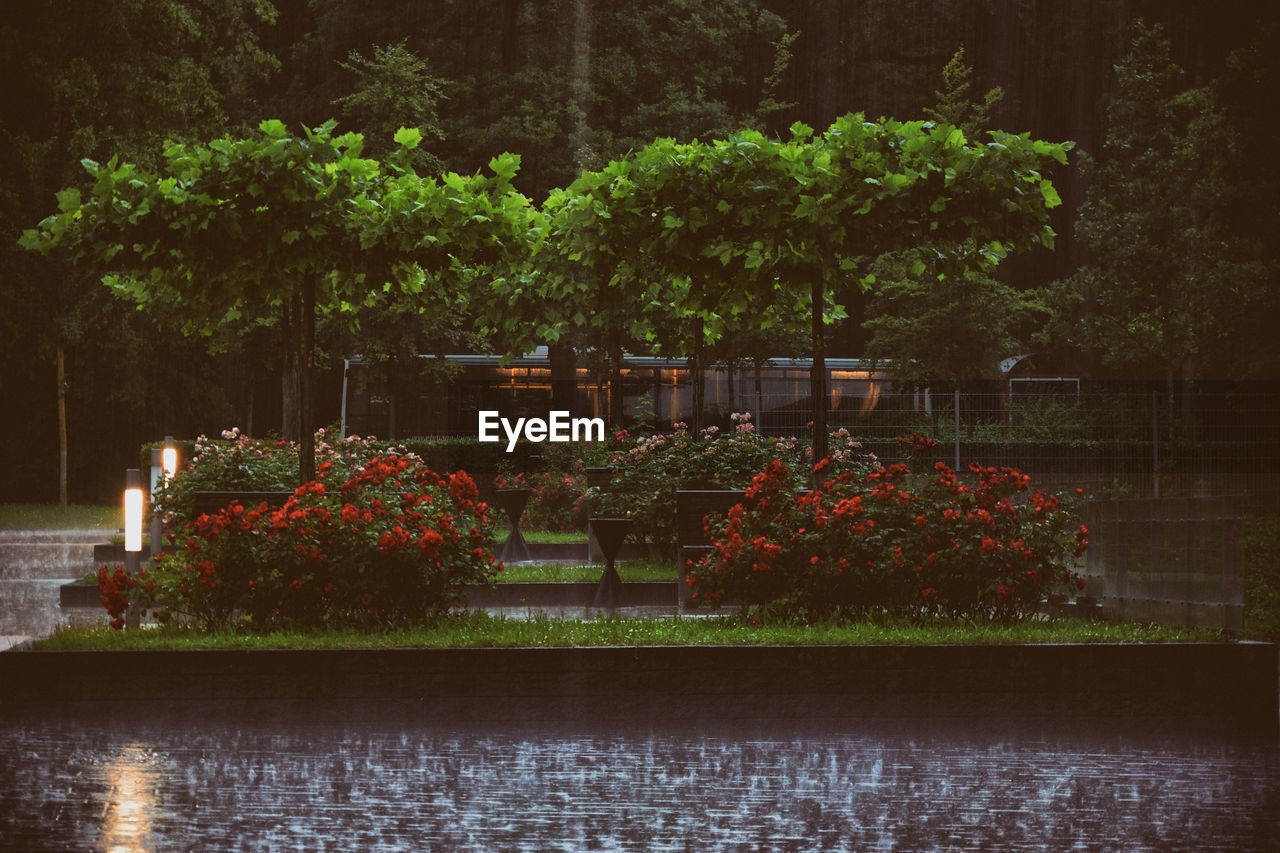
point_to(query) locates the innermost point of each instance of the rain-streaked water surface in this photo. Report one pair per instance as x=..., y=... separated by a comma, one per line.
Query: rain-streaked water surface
x=126, y=785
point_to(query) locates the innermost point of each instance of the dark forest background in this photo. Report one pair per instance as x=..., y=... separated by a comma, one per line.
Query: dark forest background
x=567, y=84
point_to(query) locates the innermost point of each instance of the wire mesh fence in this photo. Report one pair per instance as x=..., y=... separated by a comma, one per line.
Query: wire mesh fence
x=1114, y=443
x=1169, y=560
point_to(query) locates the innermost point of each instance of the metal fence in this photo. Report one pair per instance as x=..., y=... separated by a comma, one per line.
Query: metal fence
x=1169, y=560
x=1114, y=443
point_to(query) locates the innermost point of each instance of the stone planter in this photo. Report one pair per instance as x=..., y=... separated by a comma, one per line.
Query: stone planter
x=609, y=532
x=513, y=502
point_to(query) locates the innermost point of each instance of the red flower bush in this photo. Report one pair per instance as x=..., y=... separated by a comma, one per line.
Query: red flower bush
x=395, y=541
x=892, y=541
x=649, y=470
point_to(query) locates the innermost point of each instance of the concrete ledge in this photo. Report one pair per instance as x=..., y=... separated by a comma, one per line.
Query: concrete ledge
x=79, y=595
x=1211, y=689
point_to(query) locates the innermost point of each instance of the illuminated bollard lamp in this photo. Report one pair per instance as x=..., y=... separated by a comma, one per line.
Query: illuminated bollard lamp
x=169, y=459
x=164, y=464
x=132, y=518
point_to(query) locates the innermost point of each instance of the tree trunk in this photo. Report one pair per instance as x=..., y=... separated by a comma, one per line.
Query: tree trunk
x=307, y=460
x=818, y=374
x=392, y=414
x=510, y=35
x=733, y=405
x=290, y=386
x=699, y=379
x=564, y=378
x=615, y=387
x=62, y=430
x=248, y=418
x=393, y=396
x=759, y=397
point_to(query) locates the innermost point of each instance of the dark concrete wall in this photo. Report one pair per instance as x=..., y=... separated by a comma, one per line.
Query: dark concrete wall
x=1213, y=688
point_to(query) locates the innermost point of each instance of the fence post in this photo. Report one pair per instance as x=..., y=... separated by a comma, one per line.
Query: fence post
x=1232, y=586
x=957, y=401
x=1189, y=524
x=1121, y=567
x=1155, y=443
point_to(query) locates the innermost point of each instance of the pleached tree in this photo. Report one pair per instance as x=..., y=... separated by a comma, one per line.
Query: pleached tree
x=286, y=224
x=753, y=221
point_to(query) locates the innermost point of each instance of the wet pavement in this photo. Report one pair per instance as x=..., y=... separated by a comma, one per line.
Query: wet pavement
x=133, y=777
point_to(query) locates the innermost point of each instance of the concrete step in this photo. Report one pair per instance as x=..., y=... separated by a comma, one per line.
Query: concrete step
x=31, y=607
x=46, y=554
x=89, y=535
x=45, y=559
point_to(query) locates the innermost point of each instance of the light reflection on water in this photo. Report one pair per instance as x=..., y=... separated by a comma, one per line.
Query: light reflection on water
x=130, y=801
x=126, y=786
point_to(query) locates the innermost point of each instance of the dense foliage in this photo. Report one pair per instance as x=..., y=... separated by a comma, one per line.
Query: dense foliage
x=573, y=85
x=238, y=462
x=1260, y=550
x=892, y=541
x=394, y=541
x=1175, y=278
x=650, y=469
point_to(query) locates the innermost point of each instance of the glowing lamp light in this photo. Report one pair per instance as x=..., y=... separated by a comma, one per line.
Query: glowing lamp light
x=132, y=510
x=169, y=458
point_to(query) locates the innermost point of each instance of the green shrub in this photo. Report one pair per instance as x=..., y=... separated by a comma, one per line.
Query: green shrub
x=393, y=540
x=238, y=463
x=649, y=470
x=892, y=542
x=1260, y=552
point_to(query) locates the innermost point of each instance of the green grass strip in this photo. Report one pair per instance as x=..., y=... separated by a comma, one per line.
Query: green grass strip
x=544, y=537
x=629, y=570
x=481, y=630
x=51, y=517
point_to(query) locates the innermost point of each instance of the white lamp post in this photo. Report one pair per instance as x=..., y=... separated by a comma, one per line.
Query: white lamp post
x=132, y=518
x=164, y=464
x=169, y=459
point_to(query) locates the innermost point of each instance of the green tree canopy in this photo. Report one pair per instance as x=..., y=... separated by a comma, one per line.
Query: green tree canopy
x=393, y=89
x=935, y=327
x=749, y=219
x=281, y=222
x=1171, y=283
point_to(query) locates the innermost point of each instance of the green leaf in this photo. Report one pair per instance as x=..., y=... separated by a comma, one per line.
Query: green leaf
x=408, y=137
x=274, y=128
x=68, y=200
x=505, y=165
x=1051, y=198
